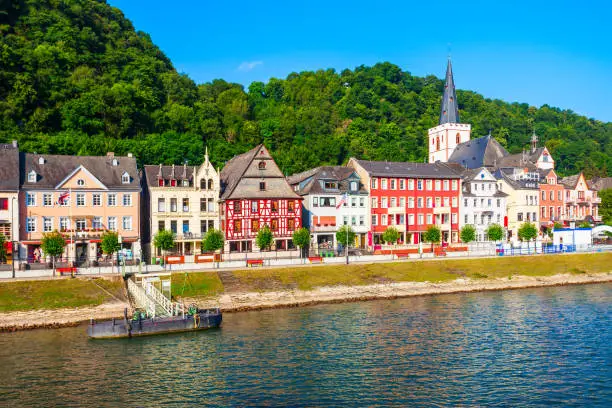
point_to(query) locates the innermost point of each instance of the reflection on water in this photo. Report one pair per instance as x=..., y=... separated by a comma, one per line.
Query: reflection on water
x=536, y=347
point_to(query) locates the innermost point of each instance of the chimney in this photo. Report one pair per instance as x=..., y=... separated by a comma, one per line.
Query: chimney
x=110, y=154
x=15, y=144
x=130, y=155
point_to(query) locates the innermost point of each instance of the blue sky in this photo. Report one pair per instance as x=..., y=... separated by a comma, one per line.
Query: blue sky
x=536, y=52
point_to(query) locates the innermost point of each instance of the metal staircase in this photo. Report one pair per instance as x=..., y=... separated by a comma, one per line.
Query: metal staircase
x=147, y=297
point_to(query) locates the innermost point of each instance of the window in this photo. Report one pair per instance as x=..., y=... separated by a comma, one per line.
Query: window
x=383, y=219
x=392, y=184
x=64, y=223
x=345, y=220
x=410, y=202
x=446, y=183
x=374, y=183
x=374, y=202
x=274, y=206
x=96, y=223
x=274, y=224
x=173, y=205
x=328, y=202
x=331, y=185
x=290, y=206
x=420, y=202
x=455, y=201
x=429, y=219
x=261, y=165
x=437, y=185
x=410, y=184
x=419, y=184
x=211, y=205
x=161, y=225
x=160, y=183
x=96, y=200
x=519, y=216
x=31, y=224
x=112, y=200
x=475, y=202
x=533, y=214
x=375, y=219
x=3, y=204
x=185, y=204
x=254, y=225
x=80, y=199
x=498, y=218
x=498, y=203
x=438, y=201
x=32, y=177
x=402, y=202
x=81, y=224
x=402, y=184
x=112, y=223
x=559, y=196
x=420, y=219
x=210, y=184
x=185, y=227
x=161, y=205
x=173, y=226
x=237, y=208
x=47, y=224
x=315, y=201
x=47, y=200
x=453, y=218
x=127, y=223
x=446, y=202
x=353, y=202
x=428, y=185
x=454, y=185
x=401, y=219
x=393, y=202
x=291, y=224
x=237, y=226
x=30, y=199
x=383, y=203
x=80, y=182
x=410, y=219
x=429, y=202
x=543, y=195
x=127, y=200
x=489, y=203
x=203, y=228
x=458, y=138
x=262, y=186
x=203, y=204
x=475, y=219
x=383, y=184
x=552, y=195
x=361, y=202
x=465, y=219
x=173, y=183
x=465, y=202
x=254, y=207
x=354, y=186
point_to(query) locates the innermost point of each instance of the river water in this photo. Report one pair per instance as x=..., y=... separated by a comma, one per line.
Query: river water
x=531, y=347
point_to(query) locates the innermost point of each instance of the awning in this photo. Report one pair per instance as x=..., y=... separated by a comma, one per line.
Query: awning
x=31, y=242
x=8, y=248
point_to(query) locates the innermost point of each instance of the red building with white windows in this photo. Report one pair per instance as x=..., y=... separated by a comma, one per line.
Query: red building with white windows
x=254, y=193
x=411, y=197
x=552, y=205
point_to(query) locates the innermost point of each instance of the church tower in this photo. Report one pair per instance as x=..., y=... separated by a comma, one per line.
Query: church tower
x=450, y=132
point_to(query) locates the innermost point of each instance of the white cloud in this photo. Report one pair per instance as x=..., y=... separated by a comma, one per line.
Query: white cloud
x=248, y=66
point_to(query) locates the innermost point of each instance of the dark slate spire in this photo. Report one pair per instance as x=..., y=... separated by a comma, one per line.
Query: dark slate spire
x=450, y=109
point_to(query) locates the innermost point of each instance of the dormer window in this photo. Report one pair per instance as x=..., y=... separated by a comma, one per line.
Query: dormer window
x=32, y=177
x=353, y=186
x=80, y=182
x=185, y=183
x=160, y=182
x=331, y=185
x=262, y=165
x=41, y=160
x=115, y=162
x=125, y=178
x=173, y=183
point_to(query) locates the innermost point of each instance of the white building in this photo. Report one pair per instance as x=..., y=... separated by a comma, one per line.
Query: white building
x=9, y=197
x=184, y=200
x=323, y=189
x=522, y=188
x=482, y=203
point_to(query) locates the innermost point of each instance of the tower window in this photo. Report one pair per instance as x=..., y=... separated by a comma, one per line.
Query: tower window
x=438, y=143
x=458, y=138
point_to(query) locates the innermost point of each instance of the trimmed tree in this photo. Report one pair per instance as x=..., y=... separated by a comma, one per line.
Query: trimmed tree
x=527, y=232
x=433, y=235
x=2, y=248
x=109, y=242
x=391, y=235
x=53, y=244
x=301, y=238
x=585, y=225
x=468, y=233
x=345, y=235
x=164, y=240
x=264, y=238
x=213, y=241
x=558, y=226
x=495, y=232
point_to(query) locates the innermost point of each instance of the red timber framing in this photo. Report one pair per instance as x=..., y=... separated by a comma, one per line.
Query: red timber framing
x=244, y=218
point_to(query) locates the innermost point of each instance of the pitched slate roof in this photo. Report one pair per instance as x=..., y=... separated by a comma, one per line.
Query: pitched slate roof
x=526, y=159
x=309, y=181
x=570, y=181
x=505, y=174
x=603, y=183
x=482, y=152
x=449, y=111
x=56, y=168
x=9, y=167
x=241, y=176
x=153, y=173
x=408, y=169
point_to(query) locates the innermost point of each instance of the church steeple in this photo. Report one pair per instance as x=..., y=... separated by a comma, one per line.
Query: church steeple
x=449, y=112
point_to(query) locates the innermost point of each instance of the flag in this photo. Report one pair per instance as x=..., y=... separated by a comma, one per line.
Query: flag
x=63, y=198
x=343, y=200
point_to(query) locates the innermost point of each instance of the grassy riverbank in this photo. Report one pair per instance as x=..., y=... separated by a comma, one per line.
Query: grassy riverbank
x=58, y=293
x=207, y=285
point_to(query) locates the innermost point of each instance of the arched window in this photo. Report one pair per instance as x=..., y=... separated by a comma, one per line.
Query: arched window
x=262, y=165
x=210, y=184
x=437, y=143
x=203, y=184
x=458, y=138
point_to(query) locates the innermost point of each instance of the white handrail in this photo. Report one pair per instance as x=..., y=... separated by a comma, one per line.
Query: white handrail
x=170, y=307
x=141, y=298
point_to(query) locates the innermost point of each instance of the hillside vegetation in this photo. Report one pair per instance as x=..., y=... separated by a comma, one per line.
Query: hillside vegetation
x=76, y=78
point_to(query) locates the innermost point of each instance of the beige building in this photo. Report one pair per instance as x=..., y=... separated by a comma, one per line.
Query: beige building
x=184, y=200
x=522, y=188
x=9, y=197
x=81, y=197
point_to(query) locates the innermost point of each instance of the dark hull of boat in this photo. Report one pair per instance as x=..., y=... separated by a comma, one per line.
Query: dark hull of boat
x=147, y=327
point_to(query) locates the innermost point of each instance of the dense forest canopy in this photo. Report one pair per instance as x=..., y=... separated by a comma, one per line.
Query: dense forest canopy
x=76, y=78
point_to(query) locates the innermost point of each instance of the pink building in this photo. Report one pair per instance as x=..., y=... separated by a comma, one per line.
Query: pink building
x=80, y=196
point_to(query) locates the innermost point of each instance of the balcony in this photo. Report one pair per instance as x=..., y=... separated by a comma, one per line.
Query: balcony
x=91, y=233
x=441, y=210
x=188, y=236
x=396, y=210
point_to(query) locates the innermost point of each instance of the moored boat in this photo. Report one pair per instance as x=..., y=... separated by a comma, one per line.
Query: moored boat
x=197, y=319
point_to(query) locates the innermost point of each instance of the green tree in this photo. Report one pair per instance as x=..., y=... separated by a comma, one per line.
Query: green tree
x=2, y=248
x=301, y=238
x=109, y=242
x=391, y=235
x=164, y=240
x=557, y=226
x=213, y=240
x=584, y=225
x=433, y=235
x=495, y=232
x=468, y=233
x=264, y=238
x=605, y=208
x=345, y=236
x=53, y=244
x=527, y=232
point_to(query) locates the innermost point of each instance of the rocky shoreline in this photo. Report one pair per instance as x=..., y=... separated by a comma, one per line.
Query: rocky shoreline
x=246, y=301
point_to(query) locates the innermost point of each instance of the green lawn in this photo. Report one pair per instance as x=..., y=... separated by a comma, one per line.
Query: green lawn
x=196, y=284
x=55, y=294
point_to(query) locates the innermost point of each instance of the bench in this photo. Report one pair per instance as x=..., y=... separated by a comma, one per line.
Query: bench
x=315, y=259
x=71, y=270
x=402, y=255
x=251, y=262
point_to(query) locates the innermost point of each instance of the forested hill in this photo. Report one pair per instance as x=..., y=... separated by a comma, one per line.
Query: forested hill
x=76, y=78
